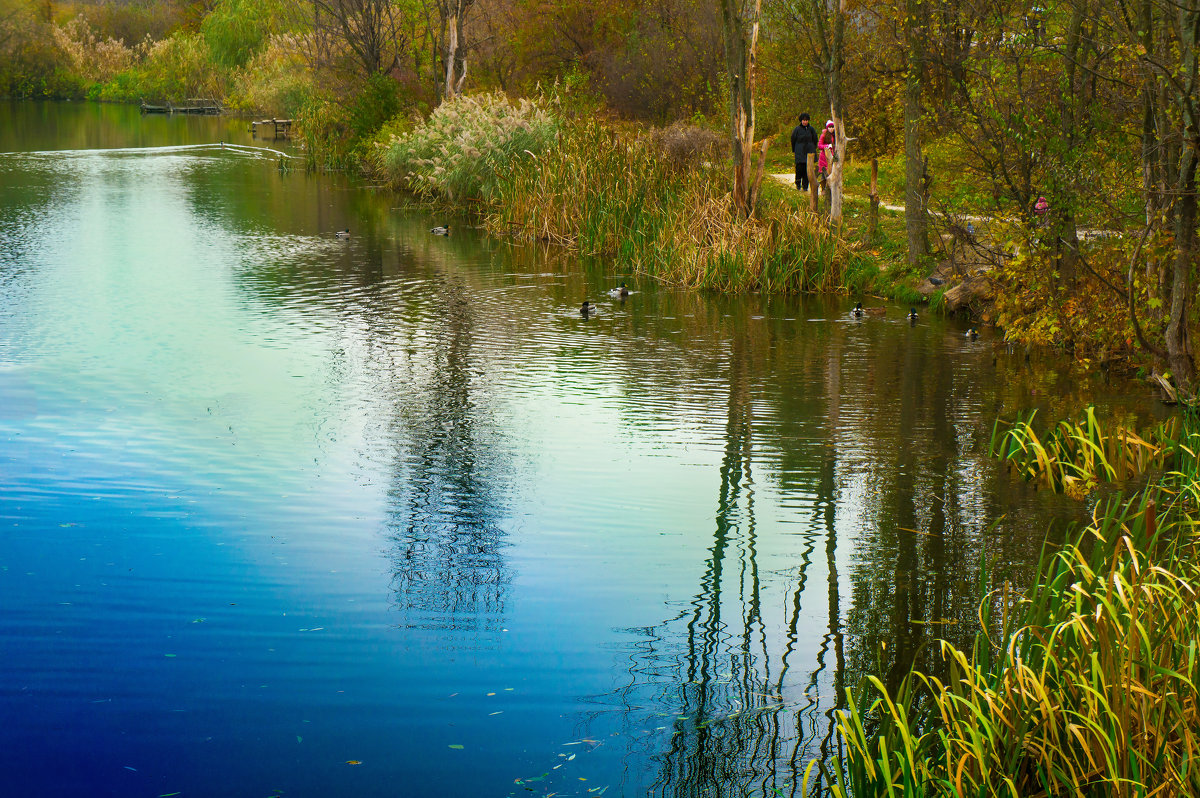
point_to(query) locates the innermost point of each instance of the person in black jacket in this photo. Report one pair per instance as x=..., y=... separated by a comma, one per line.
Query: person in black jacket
x=804, y=142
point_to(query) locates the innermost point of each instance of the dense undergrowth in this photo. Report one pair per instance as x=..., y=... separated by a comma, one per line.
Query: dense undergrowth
x=599, y=189
x=1086, y=685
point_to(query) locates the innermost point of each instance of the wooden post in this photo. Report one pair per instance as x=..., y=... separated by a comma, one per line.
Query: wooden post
x=812, y=182
x=874, y=218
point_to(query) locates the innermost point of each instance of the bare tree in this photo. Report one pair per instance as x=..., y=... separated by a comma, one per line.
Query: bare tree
x=370, y=29
x=452, y=17
x=741, y=18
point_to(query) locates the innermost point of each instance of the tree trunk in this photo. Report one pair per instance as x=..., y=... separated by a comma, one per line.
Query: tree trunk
x=454, y=16
x=741, y=19
x=836, y=107
x=916, y=220
x=1179, y=350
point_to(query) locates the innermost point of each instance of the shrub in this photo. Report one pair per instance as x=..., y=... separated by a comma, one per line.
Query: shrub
x=276, y=80
x=90, y=56
x=175, y=68
x=1089, y=687
x=324, y=128
x=687, y=146
x=464, y=146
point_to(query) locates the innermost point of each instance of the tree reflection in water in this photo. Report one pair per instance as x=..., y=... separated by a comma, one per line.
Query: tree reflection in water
x=449, y=569
x=744, y=683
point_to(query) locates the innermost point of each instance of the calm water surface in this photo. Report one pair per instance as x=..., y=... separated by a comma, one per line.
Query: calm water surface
x=282, y=514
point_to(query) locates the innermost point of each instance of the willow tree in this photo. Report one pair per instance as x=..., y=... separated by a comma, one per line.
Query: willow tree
x=741, y=21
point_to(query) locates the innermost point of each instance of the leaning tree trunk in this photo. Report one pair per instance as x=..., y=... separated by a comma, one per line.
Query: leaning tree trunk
x=741, y=19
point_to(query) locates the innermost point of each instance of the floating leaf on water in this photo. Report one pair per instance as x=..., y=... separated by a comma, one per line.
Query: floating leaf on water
x=168, y=794
x=299, y=739
x=353, y=761
x=499, y=712
x=508, y=689
x=457, y=747
x=491, y=693
x=169, y=655
x=129, y=768
x=572, y=756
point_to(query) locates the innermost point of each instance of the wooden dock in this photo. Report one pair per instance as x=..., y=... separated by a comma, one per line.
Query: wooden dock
x=271, y=128
x=195, y=105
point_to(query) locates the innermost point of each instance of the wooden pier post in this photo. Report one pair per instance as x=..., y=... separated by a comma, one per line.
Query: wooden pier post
x=874, y=217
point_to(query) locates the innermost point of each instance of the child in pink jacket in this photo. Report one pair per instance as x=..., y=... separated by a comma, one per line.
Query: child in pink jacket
x=825, y=148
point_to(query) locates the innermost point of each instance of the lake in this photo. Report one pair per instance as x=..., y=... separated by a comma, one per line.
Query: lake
x=289, y=515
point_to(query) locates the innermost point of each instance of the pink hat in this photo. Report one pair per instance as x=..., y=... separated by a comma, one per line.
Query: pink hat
x=828, y=123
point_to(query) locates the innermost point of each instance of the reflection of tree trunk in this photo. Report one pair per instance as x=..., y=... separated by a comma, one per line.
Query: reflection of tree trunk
x=448, y=555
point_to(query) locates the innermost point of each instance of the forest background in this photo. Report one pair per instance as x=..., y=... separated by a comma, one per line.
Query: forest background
x=642, y=129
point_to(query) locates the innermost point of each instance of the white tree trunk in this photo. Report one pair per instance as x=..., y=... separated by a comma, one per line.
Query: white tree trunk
x=452, y=86
x=835, y=168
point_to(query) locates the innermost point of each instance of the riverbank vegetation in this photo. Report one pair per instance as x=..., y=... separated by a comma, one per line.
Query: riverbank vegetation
x=1086, y=683
x=974, y=114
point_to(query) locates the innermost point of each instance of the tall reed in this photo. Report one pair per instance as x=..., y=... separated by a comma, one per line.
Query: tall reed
x=1085, y=687
x=1072, y=456
x=604, y=193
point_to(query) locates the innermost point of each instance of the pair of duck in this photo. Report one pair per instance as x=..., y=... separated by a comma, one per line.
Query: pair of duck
x=441, y=230
x=858, y=311
x=620, y=292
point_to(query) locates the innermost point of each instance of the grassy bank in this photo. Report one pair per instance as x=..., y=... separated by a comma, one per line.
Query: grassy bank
x=653, y=205
x=1084, y=685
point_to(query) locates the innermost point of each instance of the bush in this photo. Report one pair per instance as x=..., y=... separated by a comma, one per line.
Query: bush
x=465, y=146
x=276, y=80
x=324, y=128
x=90, y=56
x=172, y=69
x=686, y=146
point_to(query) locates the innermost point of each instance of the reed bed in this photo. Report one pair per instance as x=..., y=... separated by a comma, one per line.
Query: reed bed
x=1087, y=688
x=602, y=193
x=1072, y=456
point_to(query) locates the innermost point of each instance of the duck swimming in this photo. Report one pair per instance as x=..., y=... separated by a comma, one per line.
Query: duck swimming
x=587, y=308
x=858, y=310
x=343, y=233
x=971, y=334
x=441, y=230
x=620, y=292
x=912, y=314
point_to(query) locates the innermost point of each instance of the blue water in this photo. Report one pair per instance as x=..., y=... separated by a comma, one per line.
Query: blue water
x=288, y=515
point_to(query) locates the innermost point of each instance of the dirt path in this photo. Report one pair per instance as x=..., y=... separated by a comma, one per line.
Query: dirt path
x=789, y=178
